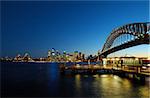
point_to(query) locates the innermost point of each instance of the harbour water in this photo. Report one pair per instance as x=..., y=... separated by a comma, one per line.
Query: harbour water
x=45, y=80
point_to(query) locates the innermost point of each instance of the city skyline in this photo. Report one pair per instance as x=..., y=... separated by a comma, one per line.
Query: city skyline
x=36, y=27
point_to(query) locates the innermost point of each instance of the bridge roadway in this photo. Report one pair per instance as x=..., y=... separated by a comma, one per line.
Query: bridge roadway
x=131, y=43
x=93, y=69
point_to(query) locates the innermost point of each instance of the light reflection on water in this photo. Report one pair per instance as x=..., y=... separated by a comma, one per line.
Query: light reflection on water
x=113, y=86
x=78, y=84
x=36, y=80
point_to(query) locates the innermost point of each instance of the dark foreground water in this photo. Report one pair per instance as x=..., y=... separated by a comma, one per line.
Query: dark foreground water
x=44, y=80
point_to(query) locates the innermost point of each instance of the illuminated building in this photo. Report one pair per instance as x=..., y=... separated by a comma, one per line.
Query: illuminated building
x=18, y=58
x=27, y=58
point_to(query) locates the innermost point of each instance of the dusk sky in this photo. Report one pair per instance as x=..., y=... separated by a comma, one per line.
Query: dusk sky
x=36, y=27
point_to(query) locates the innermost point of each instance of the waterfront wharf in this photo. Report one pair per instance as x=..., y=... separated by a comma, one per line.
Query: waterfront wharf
x=138, y=72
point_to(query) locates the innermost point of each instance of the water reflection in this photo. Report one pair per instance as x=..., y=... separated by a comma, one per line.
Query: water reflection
x=78, y=84
x=44, y=80
x=78, y=81
x=109, y=86
x=144, y=91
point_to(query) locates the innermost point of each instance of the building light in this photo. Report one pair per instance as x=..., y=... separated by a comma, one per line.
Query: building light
x=117, y=59
x=104, y=76
x=108, y=58
x=148, y=64
x=78, y=66
x=136, y=59
x=122, y=59
x=143, y=67
x=113, y=59
x=104, y=59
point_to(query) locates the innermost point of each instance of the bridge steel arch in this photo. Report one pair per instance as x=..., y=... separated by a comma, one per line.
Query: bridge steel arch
x=140, y=31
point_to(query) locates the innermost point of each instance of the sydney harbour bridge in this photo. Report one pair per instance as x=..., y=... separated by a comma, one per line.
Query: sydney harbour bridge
x=126, y=36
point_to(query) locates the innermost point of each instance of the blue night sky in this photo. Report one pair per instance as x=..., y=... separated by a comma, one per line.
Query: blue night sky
x=36, y=27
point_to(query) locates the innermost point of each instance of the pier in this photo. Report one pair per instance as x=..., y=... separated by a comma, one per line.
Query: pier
x=135, y=72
